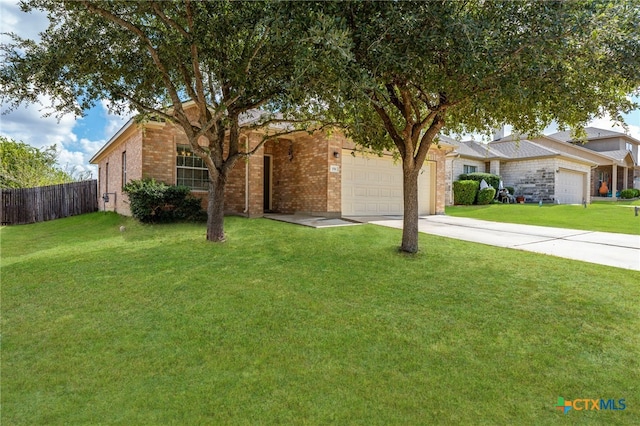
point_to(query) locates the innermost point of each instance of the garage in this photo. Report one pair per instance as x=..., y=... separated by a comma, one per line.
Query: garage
x=372, y=186
x=570, y=186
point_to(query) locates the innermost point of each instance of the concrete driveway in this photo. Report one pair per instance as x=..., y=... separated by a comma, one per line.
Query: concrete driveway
x=618, y=250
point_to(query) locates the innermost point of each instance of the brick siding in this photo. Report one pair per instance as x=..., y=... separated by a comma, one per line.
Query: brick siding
x=306, y=170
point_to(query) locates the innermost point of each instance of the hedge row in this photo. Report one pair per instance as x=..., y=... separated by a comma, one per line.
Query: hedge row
x=491, y=179
x=630, y=193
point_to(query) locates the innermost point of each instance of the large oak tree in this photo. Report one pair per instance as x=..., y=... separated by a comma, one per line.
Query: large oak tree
x=422, y=68
x=227, y=57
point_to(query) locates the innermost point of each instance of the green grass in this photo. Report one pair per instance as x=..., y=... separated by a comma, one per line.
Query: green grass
x=599, y=216
x=292, y=325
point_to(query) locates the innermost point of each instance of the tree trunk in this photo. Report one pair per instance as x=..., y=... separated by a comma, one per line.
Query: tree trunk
x=410, y=221
x=215, y=208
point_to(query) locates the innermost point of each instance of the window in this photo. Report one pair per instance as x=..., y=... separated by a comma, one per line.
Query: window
x=190, y=169
x=106, y=177
x=124, y=168
x=629, y=147
x=469, y=169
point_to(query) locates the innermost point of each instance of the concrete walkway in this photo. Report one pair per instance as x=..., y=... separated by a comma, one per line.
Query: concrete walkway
x=604, y=248
x=312, y=221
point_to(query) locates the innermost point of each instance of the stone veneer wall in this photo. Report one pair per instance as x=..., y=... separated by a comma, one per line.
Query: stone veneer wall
x=534, y=179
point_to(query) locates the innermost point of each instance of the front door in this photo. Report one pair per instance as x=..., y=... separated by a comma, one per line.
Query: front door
x=266, y=173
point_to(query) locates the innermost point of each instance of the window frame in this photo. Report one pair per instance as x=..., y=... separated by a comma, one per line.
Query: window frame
x=468, y=168
x=124, y=168
x=190, y=162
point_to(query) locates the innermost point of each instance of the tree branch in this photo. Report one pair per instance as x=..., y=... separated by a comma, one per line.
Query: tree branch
x=143, y=37
x=256, y=50
x=168, y=21
x=388, y=125
x=200, y=98
x=427, y=139
x=393, y=97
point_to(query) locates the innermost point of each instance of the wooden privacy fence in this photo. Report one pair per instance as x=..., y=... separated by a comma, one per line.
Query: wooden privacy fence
x=30, y=205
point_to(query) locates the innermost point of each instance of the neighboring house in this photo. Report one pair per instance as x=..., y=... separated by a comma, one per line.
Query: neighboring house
x=534, y=171
x=615, y=153
x=300, y=173
x=553, y=168
x=470, y=157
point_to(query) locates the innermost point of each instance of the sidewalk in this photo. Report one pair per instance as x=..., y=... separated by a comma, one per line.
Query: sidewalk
x=618, y=250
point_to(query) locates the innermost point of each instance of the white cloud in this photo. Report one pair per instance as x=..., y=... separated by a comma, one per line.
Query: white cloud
x=14, y=20
x=113, y=122
x=608, y=124
x=27, y=124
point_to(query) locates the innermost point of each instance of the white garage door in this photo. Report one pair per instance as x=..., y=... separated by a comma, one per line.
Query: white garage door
x=570, y=187
x=373, y=186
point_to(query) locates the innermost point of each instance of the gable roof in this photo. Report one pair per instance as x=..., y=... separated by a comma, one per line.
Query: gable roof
x=575, y=149
x=593, y=133
x=618, y=155
x=447, y=141
x=478, y=150
x=246, y=119
x=521, y=149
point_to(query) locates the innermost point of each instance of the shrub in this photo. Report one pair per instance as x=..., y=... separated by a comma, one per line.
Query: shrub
x=491, y=179
x=511, y=190
x=629, y=193
x=485, y=196
x=464, y=191
x=156, y=202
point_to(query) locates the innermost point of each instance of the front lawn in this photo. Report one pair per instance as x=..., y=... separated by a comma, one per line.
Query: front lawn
x=599, y=216
x=293, y=325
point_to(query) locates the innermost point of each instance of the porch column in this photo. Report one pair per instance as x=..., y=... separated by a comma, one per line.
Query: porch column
x=614, y=181
x=625, y=180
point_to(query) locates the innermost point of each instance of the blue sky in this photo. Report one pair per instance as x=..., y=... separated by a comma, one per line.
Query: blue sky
x=78, y=139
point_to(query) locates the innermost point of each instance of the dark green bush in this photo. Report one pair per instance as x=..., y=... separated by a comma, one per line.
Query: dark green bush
x=511, y=190
x=156, y=202
x=629, y=193
x=485, y=196
x=491, y=179
x=464, y=191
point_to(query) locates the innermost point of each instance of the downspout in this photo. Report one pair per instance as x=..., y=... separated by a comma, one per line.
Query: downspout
x=246, y=176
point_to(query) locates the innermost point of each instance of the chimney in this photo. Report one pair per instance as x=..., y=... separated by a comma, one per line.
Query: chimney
x=498, y=134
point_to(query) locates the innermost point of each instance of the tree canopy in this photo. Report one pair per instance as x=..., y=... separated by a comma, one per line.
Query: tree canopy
x=419, y=69
x=226, y=57
x=24, y=166
x=395, y=74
